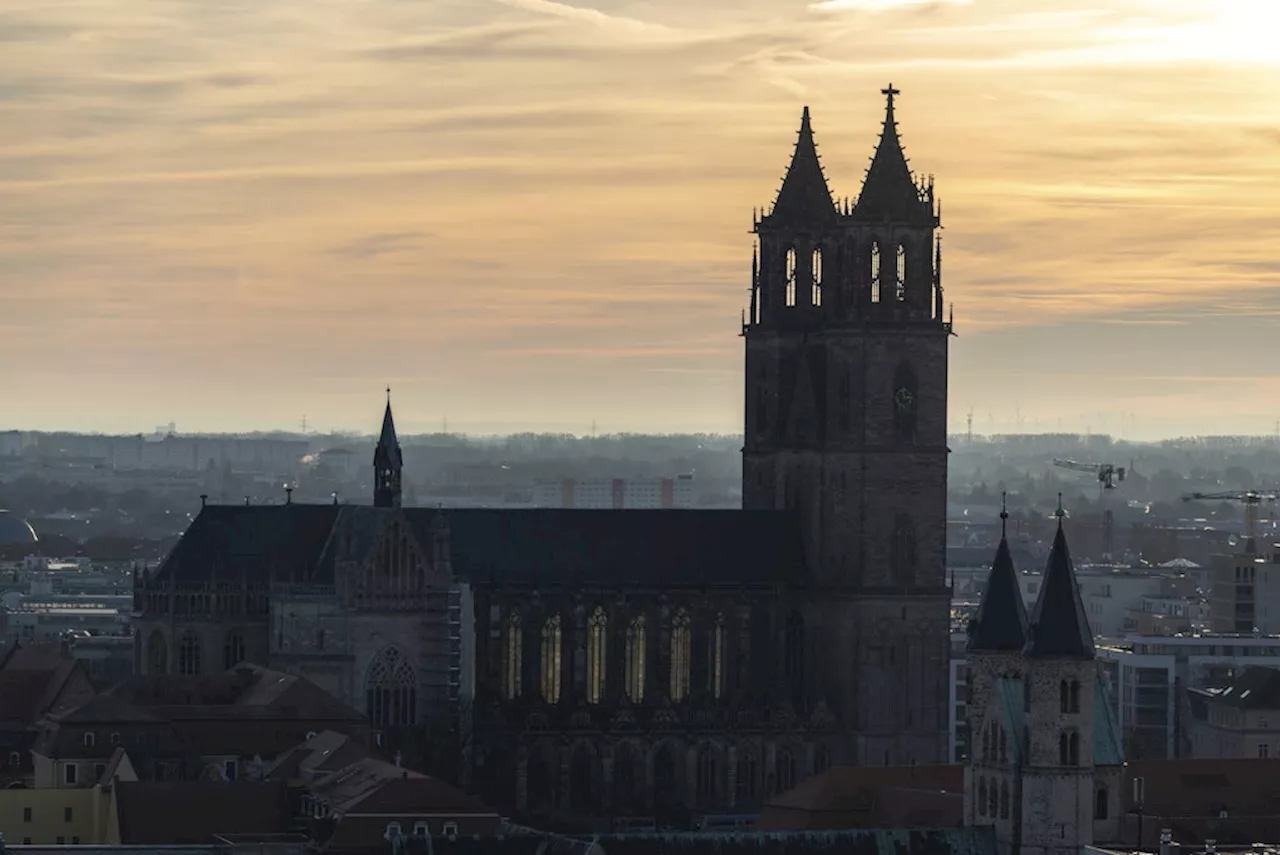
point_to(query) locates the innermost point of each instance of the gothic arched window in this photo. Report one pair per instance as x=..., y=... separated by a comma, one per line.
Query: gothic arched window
x=666, y=782
x=597, y=633
x=786, y=770
x=902, y=551
x=816, y=270
x=791, y=277
x=550, y=677
x=875, y=271
x=512, y=657
x=1075, y=696
x=157, y=653
x=986, y=743
x=794, y=653
x=391, y=690
x=982, y=797
x=232, y=649
x=993, y=800
x=715, y=674
x=1100, y=804
x=1004, y=799
x=1064, y=697
x=905, y=403
x=189, y=653
x=706, y=777
x=1073, y=750
x=680, y=643
x=635, y=660
x=900, y=293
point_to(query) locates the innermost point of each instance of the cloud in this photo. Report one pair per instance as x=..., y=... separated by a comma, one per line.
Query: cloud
x=386, y=243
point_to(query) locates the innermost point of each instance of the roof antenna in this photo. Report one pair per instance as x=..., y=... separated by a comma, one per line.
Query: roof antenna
x=246, y=501
x=288, y=495
x=1060, y=512
x=204, y=499
x=1004, y=514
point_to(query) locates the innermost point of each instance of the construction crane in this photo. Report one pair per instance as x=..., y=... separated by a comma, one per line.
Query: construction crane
x=1108, y=475
x=1251, y=499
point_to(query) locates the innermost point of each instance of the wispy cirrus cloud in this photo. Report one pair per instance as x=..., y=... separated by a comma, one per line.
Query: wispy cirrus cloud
x=528, y=189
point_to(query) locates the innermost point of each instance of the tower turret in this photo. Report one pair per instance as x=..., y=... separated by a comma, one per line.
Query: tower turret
x=387, y=463
x=1057, y=806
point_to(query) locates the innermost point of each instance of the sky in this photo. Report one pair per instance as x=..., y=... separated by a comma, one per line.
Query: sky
x=535, y=215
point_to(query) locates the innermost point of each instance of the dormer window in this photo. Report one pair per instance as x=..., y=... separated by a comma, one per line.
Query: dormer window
x=89, y=740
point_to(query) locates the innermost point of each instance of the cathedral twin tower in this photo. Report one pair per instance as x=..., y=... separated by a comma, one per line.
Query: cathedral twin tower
x=845, y=425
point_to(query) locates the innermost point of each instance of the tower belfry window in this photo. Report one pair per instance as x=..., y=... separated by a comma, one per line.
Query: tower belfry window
x=513, y=654
x=875, y=271
x=791, y=277
x=901, y=279
x=816, y=270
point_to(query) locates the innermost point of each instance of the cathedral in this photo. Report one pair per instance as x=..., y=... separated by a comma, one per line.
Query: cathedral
x=1047, y=768
x=649, y=664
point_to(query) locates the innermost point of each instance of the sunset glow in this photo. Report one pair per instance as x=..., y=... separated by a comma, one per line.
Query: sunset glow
x=531, y=214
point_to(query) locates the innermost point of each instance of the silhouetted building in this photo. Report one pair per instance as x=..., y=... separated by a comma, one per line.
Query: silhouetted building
x=649, y=662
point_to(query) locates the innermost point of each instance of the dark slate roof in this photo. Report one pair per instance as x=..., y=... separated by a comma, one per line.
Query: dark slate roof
x=1001, y=623
x=1257, y=688
x=387, y=453
x=226, y=540
x=507, y=545
x=804, y=198
x=889, y=192
x=1059, y=626
x=164, y=813
x=640, y=547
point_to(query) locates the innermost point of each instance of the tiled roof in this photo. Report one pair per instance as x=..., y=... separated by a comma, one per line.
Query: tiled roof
x=417, y=795
x=160, y=813
x=950, y=841
x=323, y=753
x=882, y=796
x=226, y=540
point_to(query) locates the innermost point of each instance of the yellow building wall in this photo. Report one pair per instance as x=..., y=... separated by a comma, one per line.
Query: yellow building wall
x=40, y=816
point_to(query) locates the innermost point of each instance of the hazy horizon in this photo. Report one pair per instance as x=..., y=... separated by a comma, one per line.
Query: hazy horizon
x=533, y=215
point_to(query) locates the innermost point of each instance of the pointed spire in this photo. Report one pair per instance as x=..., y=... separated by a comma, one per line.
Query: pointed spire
x=804, y=197
x=387, y=462
x=1001, y=622
x=1059, y=625
x=889, y=191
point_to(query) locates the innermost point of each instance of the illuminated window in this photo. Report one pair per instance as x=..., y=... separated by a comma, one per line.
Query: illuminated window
x=901, y=293
x=791, y=277
x=680, y=656
x=596, y=636
x=875, y=271
x=551, y=660
x=816, y=265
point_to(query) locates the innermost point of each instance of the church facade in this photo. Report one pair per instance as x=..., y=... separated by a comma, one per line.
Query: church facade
x=648, y=663
x=1046, y=766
